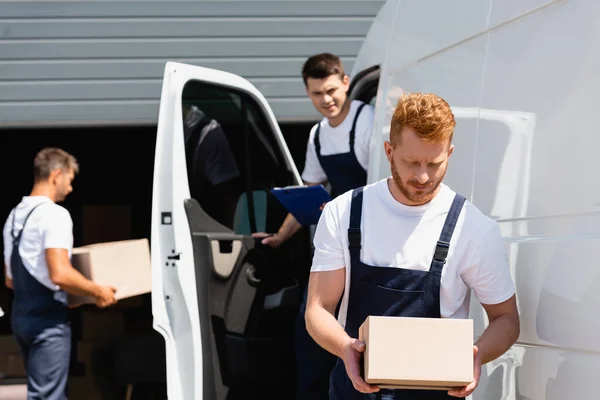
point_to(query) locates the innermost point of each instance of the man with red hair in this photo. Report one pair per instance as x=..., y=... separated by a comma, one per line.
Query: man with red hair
x=408, y=246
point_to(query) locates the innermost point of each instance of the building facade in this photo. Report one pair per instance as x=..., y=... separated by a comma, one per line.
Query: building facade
x=65, y=63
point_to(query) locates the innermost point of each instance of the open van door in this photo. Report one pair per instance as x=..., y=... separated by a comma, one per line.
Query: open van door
x=225, y=304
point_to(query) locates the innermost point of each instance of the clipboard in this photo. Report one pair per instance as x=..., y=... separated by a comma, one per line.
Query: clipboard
x=303, y=202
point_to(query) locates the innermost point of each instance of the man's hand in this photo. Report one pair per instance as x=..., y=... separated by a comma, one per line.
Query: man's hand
x=7, y=281
x=271, y=240
x=468, y=390
x=351, y=353
x=106, y=296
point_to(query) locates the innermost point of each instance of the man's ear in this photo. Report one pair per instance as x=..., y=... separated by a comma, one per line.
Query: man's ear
x=54, y=175
x=450, y=150
x=389, y=149
x=346, y=82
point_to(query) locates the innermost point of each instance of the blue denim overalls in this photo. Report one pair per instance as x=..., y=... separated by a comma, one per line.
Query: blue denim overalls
x=314, y=363
x=40, y=325
x=392, y=292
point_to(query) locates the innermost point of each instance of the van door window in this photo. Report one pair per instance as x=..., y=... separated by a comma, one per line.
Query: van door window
x=232, y=157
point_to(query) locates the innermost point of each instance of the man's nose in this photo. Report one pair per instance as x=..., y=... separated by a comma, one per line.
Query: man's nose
x=422, y=176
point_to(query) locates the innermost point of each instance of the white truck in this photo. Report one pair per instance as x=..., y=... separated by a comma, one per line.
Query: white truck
x=522, y=78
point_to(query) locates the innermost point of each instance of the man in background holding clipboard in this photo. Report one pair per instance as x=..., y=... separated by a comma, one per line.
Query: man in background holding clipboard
x=338, y=154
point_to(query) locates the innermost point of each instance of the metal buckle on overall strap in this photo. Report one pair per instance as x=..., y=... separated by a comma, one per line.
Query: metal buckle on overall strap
x=441, y=251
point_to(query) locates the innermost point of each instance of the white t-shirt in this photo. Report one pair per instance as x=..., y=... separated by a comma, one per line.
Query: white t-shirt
x=396, y=235
x=336, y=140
x=49, y=226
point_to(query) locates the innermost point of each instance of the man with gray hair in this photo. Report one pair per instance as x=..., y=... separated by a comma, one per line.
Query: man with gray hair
x=38, y=241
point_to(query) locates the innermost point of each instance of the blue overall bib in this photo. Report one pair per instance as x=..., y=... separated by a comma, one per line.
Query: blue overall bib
x=391, y=292
x=343, y=170
x=41, y=328
x=314, y=364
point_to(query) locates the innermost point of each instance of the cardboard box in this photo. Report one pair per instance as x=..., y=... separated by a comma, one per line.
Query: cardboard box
x=124, y=265
x=417, y=353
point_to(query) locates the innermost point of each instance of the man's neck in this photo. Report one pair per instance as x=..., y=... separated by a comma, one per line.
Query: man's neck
x=41, y=189
x=333, y=122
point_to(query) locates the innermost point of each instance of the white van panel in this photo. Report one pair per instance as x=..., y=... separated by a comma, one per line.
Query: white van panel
x=413, y=40
x=533, y=68
x=525, y=98
x=503, y=11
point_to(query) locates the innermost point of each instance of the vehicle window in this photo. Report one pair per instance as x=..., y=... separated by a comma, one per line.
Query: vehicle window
x=233, y=158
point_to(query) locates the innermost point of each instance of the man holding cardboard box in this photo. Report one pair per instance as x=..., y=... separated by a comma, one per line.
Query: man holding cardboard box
x=38, y=241
x=408, y=246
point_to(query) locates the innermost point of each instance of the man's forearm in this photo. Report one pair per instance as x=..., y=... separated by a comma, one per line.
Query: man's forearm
x=500, y=334
x=324, y=328
x=72, y=281
x=289, y=227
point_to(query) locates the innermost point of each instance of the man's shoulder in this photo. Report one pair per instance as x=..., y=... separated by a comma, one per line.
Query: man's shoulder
x=366, y=111
x=365, y=118
x=339, y=207
x=475, y=220
x=313, y=130
x=9, y=218
x=342, y=204
x=55, y=212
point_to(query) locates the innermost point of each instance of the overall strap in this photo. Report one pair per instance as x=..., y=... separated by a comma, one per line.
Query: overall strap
x=353, y=131
x=317, y=141
x=354, y=233
x=17, y=237
x=443, y=244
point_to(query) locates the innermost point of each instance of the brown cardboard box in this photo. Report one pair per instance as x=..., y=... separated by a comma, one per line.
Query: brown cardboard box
x=417, y=353
x=124, y=265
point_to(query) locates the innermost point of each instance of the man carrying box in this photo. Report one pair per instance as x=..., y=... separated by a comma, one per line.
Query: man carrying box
x=408, y=246
x=38, y=241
